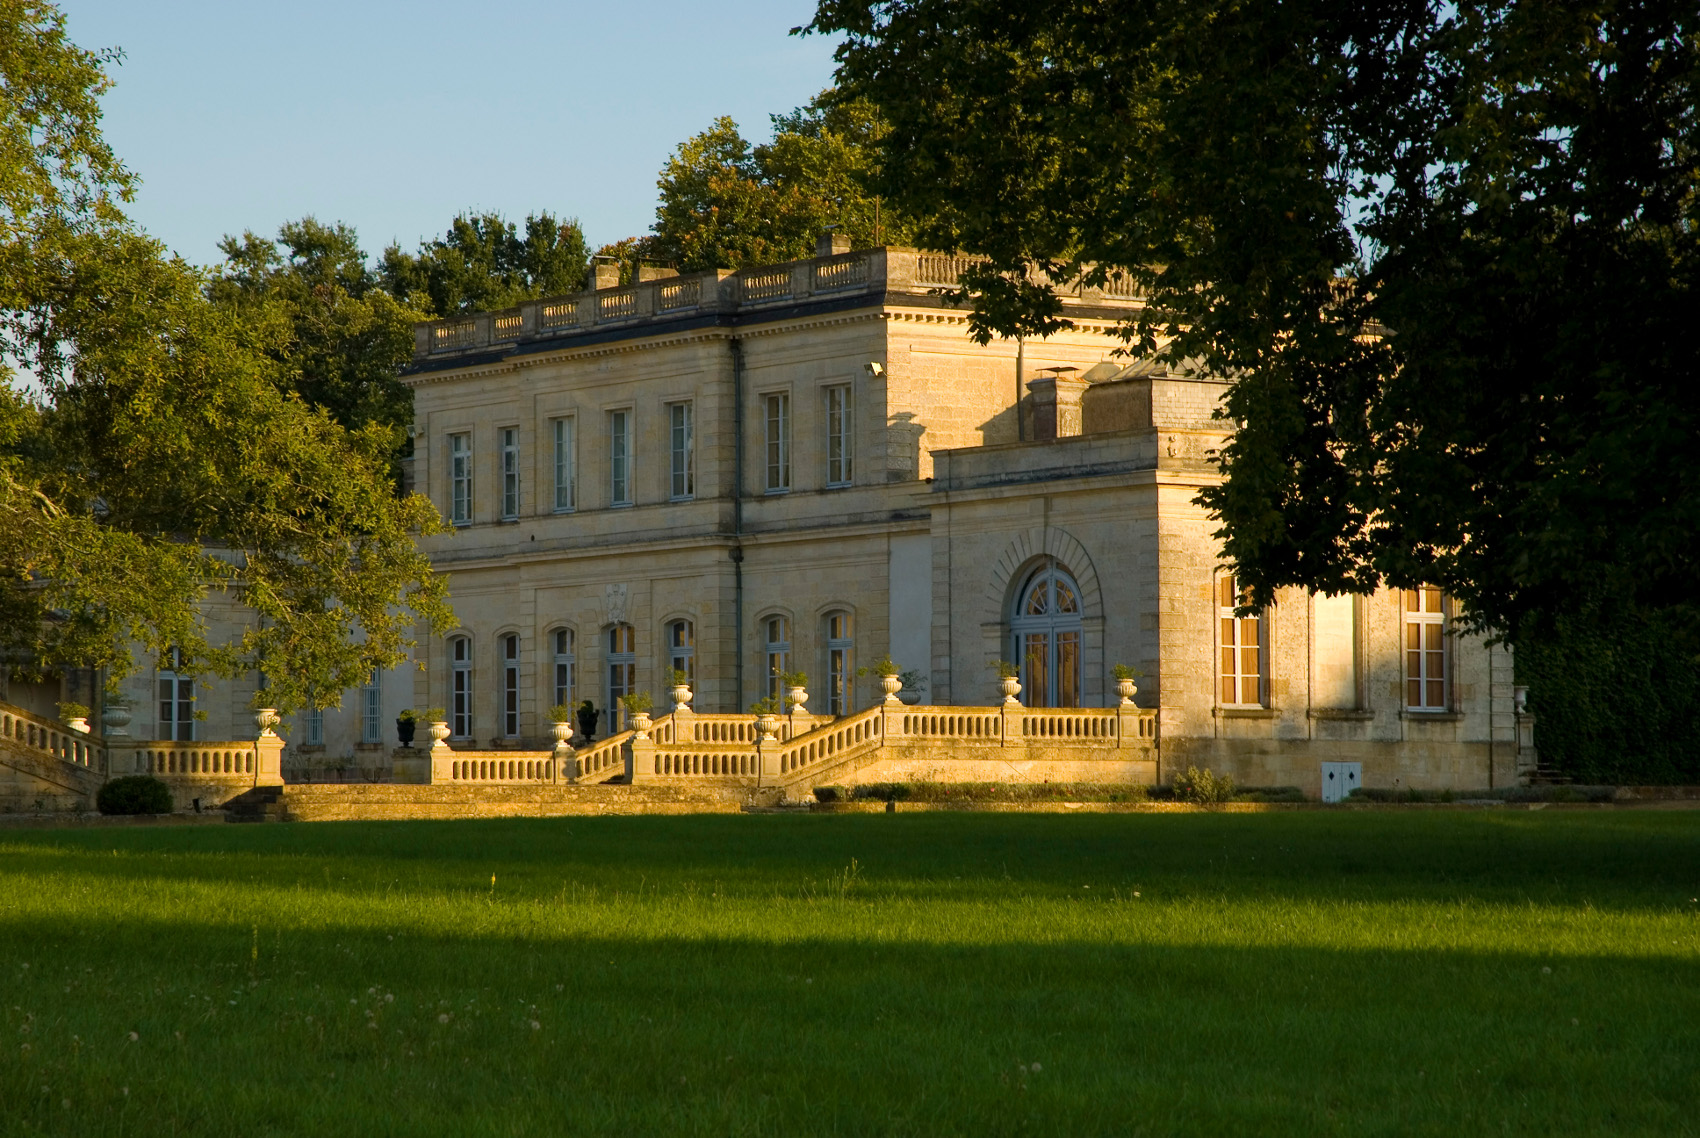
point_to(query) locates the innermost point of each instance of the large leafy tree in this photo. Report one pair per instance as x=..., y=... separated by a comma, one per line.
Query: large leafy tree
x=726, y=204
x=1449, y=251
x=485, y=262
x=162, y=450
x=349, y=338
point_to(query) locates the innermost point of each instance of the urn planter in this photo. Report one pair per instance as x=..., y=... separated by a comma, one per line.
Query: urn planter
x=115, y=718
x=768, y=725
x=404, y=731
x=681, y=697
x=640, y=724
x=265, y=719
x=1011, y=687
x=1126, y=689
x=891, y=685
x=439, y=734
x=79, y=724
x=796, y=699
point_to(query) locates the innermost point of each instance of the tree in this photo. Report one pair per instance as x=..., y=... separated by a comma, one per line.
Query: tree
x=168, y=453
x=483, y=263
x=726, y=204
x=349, y=339
x=1450, y=252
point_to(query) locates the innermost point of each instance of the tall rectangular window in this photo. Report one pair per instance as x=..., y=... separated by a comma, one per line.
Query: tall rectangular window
x=315, y=727
x=684, y=471
x=778, y=416
x=778, y=654
x=1425, y=649
x=566, y=667
x=460, y=687
x=176, y=699
x=682, y=649
x=620, y=458
x=1240, y=642
x=460, y=479
x=839, y=673
x=371, y=711
x=510, y=474
x=566, y=480
x=839, y=429
x=622, y=671
x=510, y=686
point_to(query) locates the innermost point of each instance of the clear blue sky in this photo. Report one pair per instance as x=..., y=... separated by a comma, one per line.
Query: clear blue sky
x=393, y=116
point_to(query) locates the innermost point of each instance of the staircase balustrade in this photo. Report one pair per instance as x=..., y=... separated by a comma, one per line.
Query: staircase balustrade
x=50, y=738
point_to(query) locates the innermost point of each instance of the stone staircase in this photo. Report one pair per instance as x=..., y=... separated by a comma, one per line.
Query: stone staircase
x=45, y=766
x=262, y=804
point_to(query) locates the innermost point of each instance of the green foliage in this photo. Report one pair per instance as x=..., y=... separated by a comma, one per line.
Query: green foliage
x=561, y=713
x=726, y=204
x=1616, y=693
x=407, y=715
x=347, y=338
x=679, y=677
x=1124, y=672
x=73, y=711
x=969, y=793
x=134, y=794
x=637, y=702
x=434, y=715
x=882, y=667
x=483, y=262
x=766, y=705
x=1508, y=187
x=1005, y=670
x=1205, y=787
x=793, y=679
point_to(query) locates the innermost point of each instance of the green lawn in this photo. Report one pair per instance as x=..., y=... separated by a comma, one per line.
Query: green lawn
x=1297, y=973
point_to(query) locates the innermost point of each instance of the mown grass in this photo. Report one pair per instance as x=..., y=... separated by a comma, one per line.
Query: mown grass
x=1299, y=973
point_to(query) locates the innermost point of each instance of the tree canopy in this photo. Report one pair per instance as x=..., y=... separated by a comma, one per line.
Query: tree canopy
x=1449, y=252
x=483, y=262
x=168, y=451
x=726, y=204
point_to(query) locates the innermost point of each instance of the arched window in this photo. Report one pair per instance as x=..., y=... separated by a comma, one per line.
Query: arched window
x=682, y=649
x=460, y=687
x=510, y=686
x=840, y=662
x=1046, y=627
x=622, y=667
x=778, y=630
x=176, y=698
x=566, y=667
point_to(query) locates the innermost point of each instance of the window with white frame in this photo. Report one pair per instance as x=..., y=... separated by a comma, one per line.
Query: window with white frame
x=1239, y=641
x=460, y=687
x=176, y=699
x=778, y=629
x=682, y=649
x=510, y=474
x=1047, y=628
x=839, y=443
x=622, y=669
x=1425, y=649
x=313, y=726
x=371, y=711
x=683, y=449
x=840, y=663
x=566, y=479
x=566, y=667
x=777, y=408
x=510, y=686
x=460, y=479
x=620, y=458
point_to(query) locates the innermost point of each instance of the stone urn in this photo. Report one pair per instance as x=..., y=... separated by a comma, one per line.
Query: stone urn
x=1011, y=687
x=1520, y=699
x=891, y=685
x=563, y=735
x=265, y=719
x=115, y=718
x=439, y=734
x=909, y=696
x=681, y=697
x=796, y=699
x=1126, y=689
x=79, y=724
x=640, y=724
x=768, y=725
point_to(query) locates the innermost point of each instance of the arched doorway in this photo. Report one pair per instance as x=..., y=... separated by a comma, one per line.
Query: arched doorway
x=1046, y=629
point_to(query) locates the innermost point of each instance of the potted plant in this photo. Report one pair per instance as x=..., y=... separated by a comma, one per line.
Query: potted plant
x=766, y=711
x=1007, y=681
x=637, y=705
x=75, y=716
x=891, y=676
x=681, y=690
x=406, y=723
x=439, y=721
x=796, y=686
x=587, y=716
x=912, y=684
x=114, y=711
x=1125, y=686
x=561, y=725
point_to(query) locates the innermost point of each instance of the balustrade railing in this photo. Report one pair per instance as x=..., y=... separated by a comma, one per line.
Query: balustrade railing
x=768, y=284
x=558, y=314
x=942, y=269
x=1061, y=723
x=954, y=723
x=447, y=337
x=722, y=762
x=497, y=767
x=680, y=294
x=47, y=737
x=207, y=760
x=598, y=757
x=838, y=740
x=617, y=306
x=508, y=325
x=832, y=275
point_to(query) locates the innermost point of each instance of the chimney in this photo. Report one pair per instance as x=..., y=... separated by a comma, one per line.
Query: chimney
x=1056, y=403
x=830, y=242
x=605, y=274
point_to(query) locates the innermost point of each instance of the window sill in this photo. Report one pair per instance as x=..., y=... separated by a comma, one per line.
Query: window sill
x=1347, y=713
x=683, y=498
x=1417, y=715
x=508, y=521
x=1243, y=712
x=619, y=505
x=565, y=510
x=309, y=749
x=839, y=485
x=368, y=748
x=774, y=492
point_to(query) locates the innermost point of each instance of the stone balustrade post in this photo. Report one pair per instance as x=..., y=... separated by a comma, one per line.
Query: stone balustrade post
x=1010, y=714
x=767, y=751
x=640, y=759
x=268, y=749
x=122, y=757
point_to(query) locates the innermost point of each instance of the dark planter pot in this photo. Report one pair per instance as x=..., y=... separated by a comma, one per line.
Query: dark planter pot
x=587, y=724
x=404, y=731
